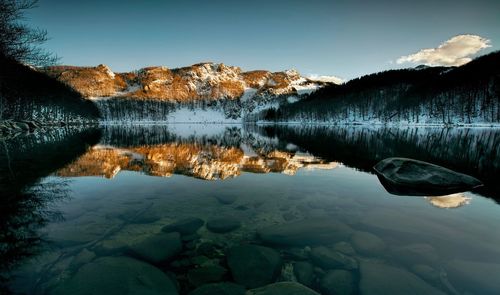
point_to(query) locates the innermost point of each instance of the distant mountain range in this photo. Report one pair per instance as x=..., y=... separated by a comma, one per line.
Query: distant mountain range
x=219, y=92
x=212, y=92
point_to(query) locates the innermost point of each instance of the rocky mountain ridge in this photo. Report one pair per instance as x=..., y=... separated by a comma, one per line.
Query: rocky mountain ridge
x=203, y=81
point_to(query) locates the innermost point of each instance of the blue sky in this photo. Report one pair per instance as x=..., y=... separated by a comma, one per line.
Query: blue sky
x=347, y=38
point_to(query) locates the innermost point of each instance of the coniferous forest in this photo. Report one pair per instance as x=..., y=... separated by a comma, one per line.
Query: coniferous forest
x=438, y=95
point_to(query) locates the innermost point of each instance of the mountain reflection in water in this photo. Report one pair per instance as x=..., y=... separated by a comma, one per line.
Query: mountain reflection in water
x=304, y=192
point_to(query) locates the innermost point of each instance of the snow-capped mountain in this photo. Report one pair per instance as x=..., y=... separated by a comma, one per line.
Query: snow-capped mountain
x=198, y=93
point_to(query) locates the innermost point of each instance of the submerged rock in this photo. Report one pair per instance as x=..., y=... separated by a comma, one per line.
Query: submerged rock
x=254, y=266
x=337, y=282
x=382, y=279
x=329, y=259
x=158, y=248
x=206, y=274
x=474, y=277
x=416, y=253
x=223, y=224
x=283, y=288
x=344, y=248
x=226, y=199
x=314, y=231
x=225, y=288
x=186, y=226
x=304, y=272
x=117, y=275
x=367, y=243
x=402, y=176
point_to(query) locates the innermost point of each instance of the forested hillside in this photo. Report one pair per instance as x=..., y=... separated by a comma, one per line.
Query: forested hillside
x=26, y=94
x=463, y=95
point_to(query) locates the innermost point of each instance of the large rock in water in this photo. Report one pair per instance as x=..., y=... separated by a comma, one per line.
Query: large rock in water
x=158, y=248
x=117, y=275
x=283, y=288
x=474, y=277
x=254, y=266
x=338, y=282
x=219, y=289
x=382, y=279
x=314, y=231
x=403, y=176
x=184, y=226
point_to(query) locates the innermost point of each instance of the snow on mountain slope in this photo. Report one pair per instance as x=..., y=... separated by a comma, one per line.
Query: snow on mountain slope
x=199, y=93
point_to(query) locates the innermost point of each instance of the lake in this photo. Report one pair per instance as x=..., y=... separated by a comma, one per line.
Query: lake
x=167, y=209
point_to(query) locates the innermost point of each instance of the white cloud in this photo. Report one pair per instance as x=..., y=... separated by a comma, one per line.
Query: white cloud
x=329, y=79
x=454, y=52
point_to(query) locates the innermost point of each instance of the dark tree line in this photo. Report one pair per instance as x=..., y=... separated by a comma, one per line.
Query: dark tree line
x=467, y=94
x=25, y=93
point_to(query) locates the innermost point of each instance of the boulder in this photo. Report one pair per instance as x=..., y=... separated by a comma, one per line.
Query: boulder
x=367, y=243
x=206, y=274
x=344, y=248
x=314, y=231
x=474, y=277
x=117, y=275
x=158, y=248
x=337, y=282
x=225, y=288
x=304, y=272
x=382, y=279
x=186, y=226
x=254, y=266
x=329, y=259
x=415, y=254
x=226, y=199
x=283, y=288
x=223, y=224
x=402, y=176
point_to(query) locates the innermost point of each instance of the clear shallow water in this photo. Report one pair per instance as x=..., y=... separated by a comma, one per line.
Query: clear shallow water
x=128, y=183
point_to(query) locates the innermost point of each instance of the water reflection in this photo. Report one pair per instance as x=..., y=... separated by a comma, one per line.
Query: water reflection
x=204, y=161
x=222, y=197
x=25, y=197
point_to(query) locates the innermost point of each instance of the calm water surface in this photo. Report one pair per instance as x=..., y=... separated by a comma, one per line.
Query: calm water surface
x=98, y=194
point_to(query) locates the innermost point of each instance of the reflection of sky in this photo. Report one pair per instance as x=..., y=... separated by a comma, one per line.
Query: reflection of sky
x=339, y=37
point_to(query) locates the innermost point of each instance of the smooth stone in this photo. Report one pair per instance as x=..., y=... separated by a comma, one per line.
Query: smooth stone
x=474, y=277
x=283, y=288
x=209, y=249
x=404, y=176
x=225, y=288
x=223, y=224
x=206, y=274
x=117, y=275
x=314, y=231
x=85, y=256
x=254, y=266
x=382, y=279
x=426, y=272
x=329, y=259
x=367, y=243
x=344, y=248
x=158, y=248
x=186, y=226
x=304, y=272
x=337, y=282
x=416, y=253
x=226, y=199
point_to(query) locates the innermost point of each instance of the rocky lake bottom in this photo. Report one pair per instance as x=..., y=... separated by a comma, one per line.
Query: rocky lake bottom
x=161, y=210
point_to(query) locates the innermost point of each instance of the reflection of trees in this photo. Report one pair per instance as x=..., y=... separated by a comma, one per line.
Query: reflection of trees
x=25, y=200
x=466, y=150
x=21, y=217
